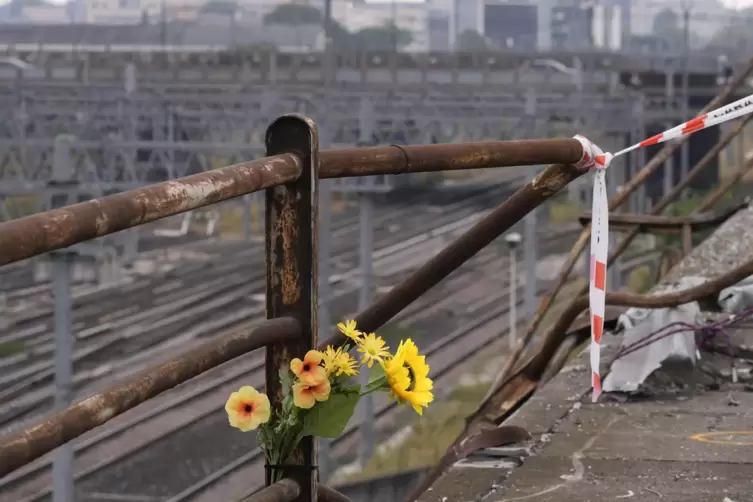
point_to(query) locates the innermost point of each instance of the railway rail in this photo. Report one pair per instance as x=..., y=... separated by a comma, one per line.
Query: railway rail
x=446, y=353
x=190, y=285
x=195, y=300
x=162, y=431
x=290, y=174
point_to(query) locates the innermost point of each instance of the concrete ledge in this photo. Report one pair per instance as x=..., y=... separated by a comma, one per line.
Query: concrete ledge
x=637, y=450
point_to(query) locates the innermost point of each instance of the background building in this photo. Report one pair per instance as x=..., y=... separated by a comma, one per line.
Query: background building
x=511, y=25
x=636, y=26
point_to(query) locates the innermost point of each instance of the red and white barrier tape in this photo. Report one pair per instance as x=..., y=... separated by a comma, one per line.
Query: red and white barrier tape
x=596, y=159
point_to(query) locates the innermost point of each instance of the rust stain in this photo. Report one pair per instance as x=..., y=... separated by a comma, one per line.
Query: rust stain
x=553, y=180
x=291, y=278
x=101, y=221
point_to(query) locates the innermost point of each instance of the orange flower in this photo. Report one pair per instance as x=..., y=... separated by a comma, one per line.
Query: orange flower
x=247, y=409
x=305, y=396
x=309, y=371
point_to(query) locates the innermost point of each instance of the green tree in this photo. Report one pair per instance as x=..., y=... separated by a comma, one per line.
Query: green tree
x=293, y=14
x=666, y=20
x=381, y=38
x=472, y=41
x=220, y=8
x=667, y=26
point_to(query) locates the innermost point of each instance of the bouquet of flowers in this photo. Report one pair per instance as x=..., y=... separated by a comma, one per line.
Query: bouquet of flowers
x=321, y=396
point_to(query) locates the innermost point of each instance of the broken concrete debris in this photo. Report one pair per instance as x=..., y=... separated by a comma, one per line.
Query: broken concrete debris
x=662, y=338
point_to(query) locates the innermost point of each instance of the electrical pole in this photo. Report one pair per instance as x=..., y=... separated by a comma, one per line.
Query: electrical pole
x=530, y=259
x=393, y=33
x=366, y=248
x=364, y=299
x=327, y=26
x=670, y=97
x=163, y=24
x=512, y=240
x=325, y=224
x=685, y=148
x=455, y=26
x=62, y=265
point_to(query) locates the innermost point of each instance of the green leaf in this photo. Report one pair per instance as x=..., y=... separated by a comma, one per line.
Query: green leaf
x=286, y=381
x=351, y=389
x=329, y=418
x=374, y=386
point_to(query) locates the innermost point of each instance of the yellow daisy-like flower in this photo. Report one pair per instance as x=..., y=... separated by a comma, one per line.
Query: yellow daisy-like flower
x=373, y=349
x=408, y=376
x=337, y=362
x=348, y=328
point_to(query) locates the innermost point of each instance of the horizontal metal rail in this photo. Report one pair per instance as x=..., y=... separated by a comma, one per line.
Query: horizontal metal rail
x=94, y=411
x=395, y=159
x=60, y=228
x=665, y=224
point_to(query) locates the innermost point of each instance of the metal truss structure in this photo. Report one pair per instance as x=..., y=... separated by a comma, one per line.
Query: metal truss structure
x=142, y=136
x=137, y=131
x=168, y=63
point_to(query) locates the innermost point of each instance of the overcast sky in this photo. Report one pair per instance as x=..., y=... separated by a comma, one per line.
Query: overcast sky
x=728, y=3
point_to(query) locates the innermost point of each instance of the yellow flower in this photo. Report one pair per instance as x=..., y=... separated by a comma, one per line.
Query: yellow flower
x=373, y=349
x=349, y=329
x=308, y=371
x=338, y=362
x=305, y=396
x=247, y=409
x=407, y=375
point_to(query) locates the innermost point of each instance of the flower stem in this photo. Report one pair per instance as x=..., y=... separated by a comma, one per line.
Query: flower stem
x=370, y=390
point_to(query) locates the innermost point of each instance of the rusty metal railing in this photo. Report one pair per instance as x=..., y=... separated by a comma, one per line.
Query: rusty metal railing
x=651, y=224
x=51, y=230
x=520, y=377
x=290, y=175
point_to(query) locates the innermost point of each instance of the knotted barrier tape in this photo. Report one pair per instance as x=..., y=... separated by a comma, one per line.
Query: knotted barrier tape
x=594, y=158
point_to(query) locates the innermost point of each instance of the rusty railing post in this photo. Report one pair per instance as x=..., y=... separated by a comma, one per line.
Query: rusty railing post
x=292, y=273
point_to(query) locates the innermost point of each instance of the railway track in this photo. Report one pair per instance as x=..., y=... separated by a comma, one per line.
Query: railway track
x=193, y=407
x=189, y=303
x=33, y=322
x=196, y=411
x=245, y=473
